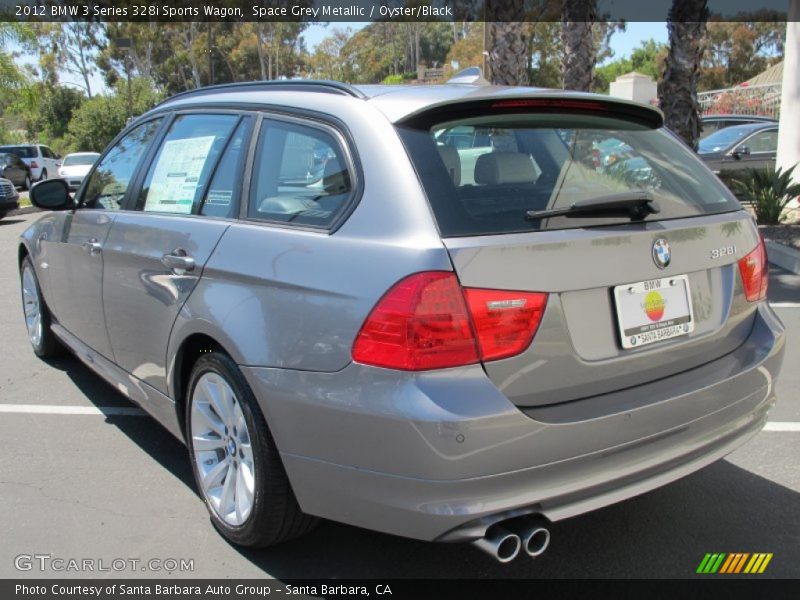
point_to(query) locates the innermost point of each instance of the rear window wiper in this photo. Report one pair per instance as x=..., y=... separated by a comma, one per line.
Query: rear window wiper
x=638, y=205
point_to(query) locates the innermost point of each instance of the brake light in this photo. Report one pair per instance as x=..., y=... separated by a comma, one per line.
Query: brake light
x=505, y=322
x=34, y=165
x=568, y=104
x=426, y=321
x=755, y=273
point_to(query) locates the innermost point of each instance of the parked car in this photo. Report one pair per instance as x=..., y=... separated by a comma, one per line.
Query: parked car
x=9, y=197
x=13, y=168
x=733, y=150
x=398, y=344
x=75, y=166
x=42, y=161
x=712, y=123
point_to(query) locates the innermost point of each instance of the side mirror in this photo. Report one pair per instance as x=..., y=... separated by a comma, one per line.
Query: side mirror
x=740, y=151
x=51, y=194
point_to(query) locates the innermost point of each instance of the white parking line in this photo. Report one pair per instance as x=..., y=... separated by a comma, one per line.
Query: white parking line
x=785, y=304
x=782, y=426
x=51, y=409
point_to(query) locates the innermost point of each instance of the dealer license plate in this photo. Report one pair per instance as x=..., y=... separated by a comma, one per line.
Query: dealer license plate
x=654, y=310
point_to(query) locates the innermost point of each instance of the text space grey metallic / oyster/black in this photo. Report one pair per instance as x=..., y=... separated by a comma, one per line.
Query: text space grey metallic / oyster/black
x=433, y=311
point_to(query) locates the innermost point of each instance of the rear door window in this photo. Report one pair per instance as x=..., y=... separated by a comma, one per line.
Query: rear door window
x=301, y=175
x=536, y=162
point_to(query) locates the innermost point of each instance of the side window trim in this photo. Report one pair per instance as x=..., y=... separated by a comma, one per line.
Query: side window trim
x=198, y=209
x=349, y=156
x=249, y=161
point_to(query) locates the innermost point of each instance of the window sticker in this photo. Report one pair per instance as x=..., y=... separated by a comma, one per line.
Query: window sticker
x=175, y=179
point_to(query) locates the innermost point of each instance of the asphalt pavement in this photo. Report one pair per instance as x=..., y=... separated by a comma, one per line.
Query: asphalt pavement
x=117, y=486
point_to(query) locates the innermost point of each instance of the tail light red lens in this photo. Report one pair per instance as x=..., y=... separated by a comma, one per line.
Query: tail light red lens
x=34, y=164
x=755, y=273
x=423, y=322
x=505, y=322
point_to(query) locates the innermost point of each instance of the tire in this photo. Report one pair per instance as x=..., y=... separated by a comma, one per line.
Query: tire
x=26, y=185
x=273, y=515
x=43, y=341
x=43, y=176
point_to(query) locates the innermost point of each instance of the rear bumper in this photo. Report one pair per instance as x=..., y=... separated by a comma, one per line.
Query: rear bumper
x=7, y=204
x=443, y=455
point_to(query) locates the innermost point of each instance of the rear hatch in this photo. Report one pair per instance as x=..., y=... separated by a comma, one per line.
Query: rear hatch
x=643, y=284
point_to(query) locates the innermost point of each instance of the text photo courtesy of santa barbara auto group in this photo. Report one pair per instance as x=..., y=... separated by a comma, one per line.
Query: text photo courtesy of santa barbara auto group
x=399, y=298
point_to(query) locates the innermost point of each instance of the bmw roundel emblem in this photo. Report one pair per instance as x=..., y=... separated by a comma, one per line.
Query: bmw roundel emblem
x=661, y=253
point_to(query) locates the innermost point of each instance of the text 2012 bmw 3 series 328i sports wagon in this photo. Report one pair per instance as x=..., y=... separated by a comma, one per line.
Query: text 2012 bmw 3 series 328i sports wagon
x=438, y=312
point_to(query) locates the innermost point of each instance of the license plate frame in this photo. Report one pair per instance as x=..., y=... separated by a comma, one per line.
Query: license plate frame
x=653, y=310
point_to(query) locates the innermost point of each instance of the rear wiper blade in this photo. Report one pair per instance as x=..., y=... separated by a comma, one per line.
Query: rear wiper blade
x=637, y=204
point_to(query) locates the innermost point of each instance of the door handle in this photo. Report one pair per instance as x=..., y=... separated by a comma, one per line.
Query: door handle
x=92, y=246
x=179, y=261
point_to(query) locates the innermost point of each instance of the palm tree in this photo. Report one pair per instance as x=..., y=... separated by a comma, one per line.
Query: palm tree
x=577, y=18
x=677, y=91
x=507, y=47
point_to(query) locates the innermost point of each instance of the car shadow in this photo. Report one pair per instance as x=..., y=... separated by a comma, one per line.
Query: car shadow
x=8, y=221
x=664, y=533
x=145, y=432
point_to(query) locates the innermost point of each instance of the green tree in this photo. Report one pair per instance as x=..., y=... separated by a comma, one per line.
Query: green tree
x=647, y=59
x=98, y=120
x=737, y=50
x=71, y=47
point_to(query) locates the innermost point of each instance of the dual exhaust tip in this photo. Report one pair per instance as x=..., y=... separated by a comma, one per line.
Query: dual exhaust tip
x=504, y=543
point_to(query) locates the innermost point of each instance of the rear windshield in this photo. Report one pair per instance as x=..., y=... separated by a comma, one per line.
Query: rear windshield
x=80, y=159
x=482, y=175
x=21, y=151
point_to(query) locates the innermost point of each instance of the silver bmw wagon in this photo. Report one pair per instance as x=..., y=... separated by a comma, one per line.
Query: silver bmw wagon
x=452, y=313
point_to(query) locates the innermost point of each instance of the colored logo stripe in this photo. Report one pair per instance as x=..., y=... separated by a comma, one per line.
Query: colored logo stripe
x=735, y=562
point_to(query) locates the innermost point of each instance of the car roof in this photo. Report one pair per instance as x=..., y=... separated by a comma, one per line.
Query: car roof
x=396, y=102
x=749, y=127
x=759, y=118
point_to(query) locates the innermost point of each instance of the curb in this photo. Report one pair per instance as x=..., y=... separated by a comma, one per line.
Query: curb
x=784, y=256
x=23, y=211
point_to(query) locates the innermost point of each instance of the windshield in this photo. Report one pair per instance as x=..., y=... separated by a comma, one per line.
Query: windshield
x=723, y=139
x=482, y=175
x=80, y=159
x=21, y=151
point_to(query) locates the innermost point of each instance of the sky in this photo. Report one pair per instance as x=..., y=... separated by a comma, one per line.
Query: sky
x=622, y=43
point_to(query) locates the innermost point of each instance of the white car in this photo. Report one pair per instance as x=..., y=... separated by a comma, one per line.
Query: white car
x=43, y=162
x=75, y=167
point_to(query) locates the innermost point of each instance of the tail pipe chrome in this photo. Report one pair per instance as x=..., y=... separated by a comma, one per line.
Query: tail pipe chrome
x=533, y=533
x=500, y=543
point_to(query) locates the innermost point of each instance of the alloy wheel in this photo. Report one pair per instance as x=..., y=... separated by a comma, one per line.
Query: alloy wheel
x=31, y=304
x=222, y=451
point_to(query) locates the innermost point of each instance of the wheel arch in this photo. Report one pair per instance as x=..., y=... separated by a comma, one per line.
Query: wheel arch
x=190, y=348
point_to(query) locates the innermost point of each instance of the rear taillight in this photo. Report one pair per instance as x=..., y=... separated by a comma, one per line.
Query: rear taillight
x=755, y=273
x=426, y=321
x=505, y=322
x=34, y=165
